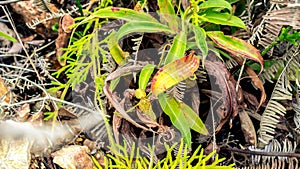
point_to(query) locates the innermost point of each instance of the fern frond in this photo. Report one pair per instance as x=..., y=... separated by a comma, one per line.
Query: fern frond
x=270, y=73
x=230, y=64
x=137, y=44
x=275, y=109
x=296, y=108
x=178, y=90
x=136, y=47
x=287, y=16
x=285, y=146
x=265, y=33
x=201, y=75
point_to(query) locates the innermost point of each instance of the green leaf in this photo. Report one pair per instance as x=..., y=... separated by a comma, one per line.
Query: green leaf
x=174, y=72
x=8, y=37
x=215, y=4
x=236, y=46
x=145, y=76
x=121, y=13
x=195, y=122
x=142, y=26
x=223, y=19
x=167, y=14
x=114, y=83
x=178, y=48
x=115, y=50
x=201, y=40
x=172, y=108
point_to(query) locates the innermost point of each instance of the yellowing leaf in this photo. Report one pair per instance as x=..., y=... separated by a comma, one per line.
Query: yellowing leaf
x=236, y=46
x=174, y=72
x=172, y=108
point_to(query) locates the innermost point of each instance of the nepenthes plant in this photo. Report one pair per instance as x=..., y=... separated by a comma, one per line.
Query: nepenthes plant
x=188, y=38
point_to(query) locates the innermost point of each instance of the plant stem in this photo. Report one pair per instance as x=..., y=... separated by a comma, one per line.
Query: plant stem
x=280, y=38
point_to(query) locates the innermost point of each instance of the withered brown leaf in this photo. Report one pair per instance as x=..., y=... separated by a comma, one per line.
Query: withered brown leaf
x=258, y=83
x=248, y=128
x=226, y=83
x=64, y=33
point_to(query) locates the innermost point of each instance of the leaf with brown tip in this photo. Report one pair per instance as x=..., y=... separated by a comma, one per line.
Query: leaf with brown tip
x=236, y=46
x=174, y=72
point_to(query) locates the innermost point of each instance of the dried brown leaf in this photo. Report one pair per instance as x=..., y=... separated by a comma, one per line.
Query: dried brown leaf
x=248, y=128
x=146, y=119
x=64, y=33
x=257, y=83
x=23, y=112
x=73, y=157
x=117, y=121
x=254, y=77
x=32, y=14
x=226, y=83
x=4, y=92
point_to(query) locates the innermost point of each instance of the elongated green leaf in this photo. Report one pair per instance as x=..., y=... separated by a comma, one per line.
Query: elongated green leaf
x=194, y=120
x=201, y=40
x=236, y=46
x=8, y=37
x=215, y=4
x=145, y=76
x=172, y=108
x=143, y=26
x=115, y=50
x=174, y=72
x=178, y=48
x=167, y=13
x=224, y=19
x=121, y=13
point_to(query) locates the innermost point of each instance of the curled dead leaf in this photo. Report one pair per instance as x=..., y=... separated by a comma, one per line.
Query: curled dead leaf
x=248, y=128
x=254, y=77
x=257, y=83
x=226, y=83
x=64, y=33
x=66, y=21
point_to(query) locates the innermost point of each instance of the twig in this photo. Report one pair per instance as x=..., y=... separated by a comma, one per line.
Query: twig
x=117, y=73
x=282, y=154
x=47, y=98
x=20, y=41
x=8, y=2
